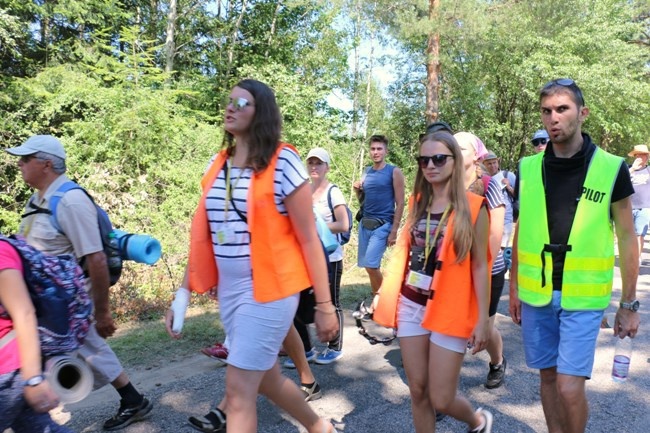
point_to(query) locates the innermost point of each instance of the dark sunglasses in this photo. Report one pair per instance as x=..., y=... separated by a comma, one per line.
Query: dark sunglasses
x=540, y=141
x=26, y=158
x=239, y=103
x=567, y=82
x=438, y=160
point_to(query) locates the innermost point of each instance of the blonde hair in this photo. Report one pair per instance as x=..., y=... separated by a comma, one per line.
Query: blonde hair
x=463, y=236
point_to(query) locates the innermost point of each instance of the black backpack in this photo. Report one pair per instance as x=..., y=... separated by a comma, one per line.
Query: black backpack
x=57, y=290
x=343, y=237
x=110, y=242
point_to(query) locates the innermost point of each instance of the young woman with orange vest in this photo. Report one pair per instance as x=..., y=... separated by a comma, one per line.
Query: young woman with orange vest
x=253, y=237
x=435, y=291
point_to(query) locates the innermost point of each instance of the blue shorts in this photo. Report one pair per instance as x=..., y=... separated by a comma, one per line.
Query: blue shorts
x=372, y=245
x=641, y=221
x=554, y=337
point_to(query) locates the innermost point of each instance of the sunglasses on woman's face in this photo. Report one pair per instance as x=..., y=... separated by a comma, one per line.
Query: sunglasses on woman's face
x=438, y=160
x=239, y=103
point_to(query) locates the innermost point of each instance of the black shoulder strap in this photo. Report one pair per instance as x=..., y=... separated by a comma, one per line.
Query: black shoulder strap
x=232, y=201
x=329, y=200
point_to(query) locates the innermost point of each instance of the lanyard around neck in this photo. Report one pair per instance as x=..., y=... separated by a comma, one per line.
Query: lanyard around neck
x=230, y=189
x=430, y=243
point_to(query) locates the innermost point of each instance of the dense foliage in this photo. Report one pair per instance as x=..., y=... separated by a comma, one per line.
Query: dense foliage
x=136, y=89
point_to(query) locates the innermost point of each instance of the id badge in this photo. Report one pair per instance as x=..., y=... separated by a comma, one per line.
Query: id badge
x=419, y=280
x=225, y=235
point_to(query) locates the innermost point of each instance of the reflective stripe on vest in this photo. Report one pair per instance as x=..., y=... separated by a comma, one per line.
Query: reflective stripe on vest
x=589, y=264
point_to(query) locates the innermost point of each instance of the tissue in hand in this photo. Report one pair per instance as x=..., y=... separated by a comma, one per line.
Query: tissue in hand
x=179, y=307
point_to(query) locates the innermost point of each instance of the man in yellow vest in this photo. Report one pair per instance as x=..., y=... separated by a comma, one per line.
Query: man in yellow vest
x=563, y=259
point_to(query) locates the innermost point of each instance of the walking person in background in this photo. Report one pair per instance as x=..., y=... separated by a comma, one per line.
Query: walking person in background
x=43, y=167
x=328, y=201
x=253, y=236
x=540, y=140
x=381, y=193
x=572, y=198
x=640, y=175
x=436, y=287
x=471, y=147
x=25, y=396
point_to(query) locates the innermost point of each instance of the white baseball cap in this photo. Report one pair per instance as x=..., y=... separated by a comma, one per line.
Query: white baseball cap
x=320, y=153
x=39, y=143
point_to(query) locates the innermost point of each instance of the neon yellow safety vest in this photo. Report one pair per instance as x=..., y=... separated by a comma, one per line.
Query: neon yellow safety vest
x=589, y=265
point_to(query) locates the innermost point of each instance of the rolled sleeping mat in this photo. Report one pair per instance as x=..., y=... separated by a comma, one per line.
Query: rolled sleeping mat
x=139, y=248
x=69, y=377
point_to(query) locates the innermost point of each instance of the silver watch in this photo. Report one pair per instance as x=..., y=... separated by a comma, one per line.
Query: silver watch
x=632, y=306
x=33, y=381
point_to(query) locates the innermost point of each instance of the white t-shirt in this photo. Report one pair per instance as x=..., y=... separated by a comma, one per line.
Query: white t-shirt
x=322, y=207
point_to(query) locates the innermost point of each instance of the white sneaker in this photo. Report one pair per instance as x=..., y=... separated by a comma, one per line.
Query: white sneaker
x=487, y=416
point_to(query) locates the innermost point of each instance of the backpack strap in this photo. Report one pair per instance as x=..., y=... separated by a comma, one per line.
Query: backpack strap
x=329, y=200
x=56, y=198
x=9, y=336
x=329, y=203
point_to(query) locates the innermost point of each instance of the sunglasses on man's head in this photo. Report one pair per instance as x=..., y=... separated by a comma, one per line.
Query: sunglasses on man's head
x=438, y=160
x=567, y=82
x=239, y=103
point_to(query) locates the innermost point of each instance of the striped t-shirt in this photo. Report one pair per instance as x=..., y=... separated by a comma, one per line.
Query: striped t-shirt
x=290, y=173
x=495, y=199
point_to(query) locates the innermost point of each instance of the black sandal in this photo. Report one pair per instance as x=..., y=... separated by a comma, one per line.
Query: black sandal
x=213, y=422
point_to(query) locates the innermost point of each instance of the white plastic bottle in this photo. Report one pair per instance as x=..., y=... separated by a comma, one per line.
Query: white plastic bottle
x=622, y=358
x=179, y=307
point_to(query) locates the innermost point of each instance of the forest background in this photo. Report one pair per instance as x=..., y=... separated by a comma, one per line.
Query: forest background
x=136, y=90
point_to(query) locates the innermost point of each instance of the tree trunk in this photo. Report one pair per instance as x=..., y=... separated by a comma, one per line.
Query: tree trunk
x=170, y=44
x=355, y=83
x=272, y=32
x=433, y=65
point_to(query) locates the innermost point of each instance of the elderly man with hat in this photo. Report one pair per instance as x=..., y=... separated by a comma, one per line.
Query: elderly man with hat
x=42, y=164
x=640, y=174
x=540, y=140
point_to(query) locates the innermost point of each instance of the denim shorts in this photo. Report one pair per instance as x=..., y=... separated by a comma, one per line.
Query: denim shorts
x=409, y=324
x=554, y=337
x=372, y=245
x=641, y=221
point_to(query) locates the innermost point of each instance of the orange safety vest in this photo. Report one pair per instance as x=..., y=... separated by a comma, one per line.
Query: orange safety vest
x=278, y=266
x=453, y=310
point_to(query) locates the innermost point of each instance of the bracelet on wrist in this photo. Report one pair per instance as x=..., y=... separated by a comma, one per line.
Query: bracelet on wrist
x=333, y=311
x=325, y=302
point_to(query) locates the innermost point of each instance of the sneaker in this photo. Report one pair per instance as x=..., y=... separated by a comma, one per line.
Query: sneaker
x=218, y=352
x=311, y=355
x=311, y=391
x=328, y=356
x=128, y=415
x=487, y=426
x=213, y=422
x=496, y=375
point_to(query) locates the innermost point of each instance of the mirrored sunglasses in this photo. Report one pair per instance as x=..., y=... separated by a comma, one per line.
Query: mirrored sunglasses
x=438, y=160
x=239, y=103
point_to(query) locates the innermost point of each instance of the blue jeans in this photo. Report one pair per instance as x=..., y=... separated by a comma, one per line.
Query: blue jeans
x=16, y=414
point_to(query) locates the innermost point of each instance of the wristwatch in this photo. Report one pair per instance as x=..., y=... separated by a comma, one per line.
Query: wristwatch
x=33, y=381
x=632, y=306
